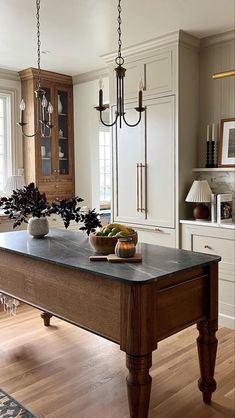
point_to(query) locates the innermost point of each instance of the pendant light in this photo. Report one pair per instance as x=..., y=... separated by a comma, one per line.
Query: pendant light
x=43, y=108
x=120, y=75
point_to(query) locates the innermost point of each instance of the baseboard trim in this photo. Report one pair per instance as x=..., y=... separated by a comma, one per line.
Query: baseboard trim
x=227, y=321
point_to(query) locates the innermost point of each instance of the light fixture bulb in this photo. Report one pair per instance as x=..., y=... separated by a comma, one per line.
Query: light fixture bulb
x=101, y=84
x=141, y=85
x=44, y=101
x=50, y=108
x=22, y=104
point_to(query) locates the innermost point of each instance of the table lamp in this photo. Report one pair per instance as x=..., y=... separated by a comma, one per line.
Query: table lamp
x=14, y=183
x=200, y=193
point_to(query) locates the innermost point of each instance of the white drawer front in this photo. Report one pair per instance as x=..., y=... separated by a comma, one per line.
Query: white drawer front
x=225, y=248
x=160, y=236
x=219, y=246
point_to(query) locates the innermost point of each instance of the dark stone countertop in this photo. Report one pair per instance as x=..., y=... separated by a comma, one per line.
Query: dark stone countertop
x=72, y=250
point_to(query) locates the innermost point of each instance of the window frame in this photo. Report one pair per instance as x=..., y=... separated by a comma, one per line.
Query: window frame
x=14, y=137
x=105, y=204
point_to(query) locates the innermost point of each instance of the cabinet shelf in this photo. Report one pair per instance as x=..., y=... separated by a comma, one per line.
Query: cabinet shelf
x=216, y=169
x=63, y=159
x=45, y=158
x=62, y=114
x=62, y=137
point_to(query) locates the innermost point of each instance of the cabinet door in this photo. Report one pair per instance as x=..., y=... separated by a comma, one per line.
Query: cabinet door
x=128, y=151
x=64, y=133
x=160, y=158
x=144, y=176
x=158, y=71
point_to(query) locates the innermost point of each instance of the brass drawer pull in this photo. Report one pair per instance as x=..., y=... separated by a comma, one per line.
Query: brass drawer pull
x=207, y=246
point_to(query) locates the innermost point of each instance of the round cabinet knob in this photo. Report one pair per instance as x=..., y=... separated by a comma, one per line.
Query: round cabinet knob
x=208, y=247
x=55, y=171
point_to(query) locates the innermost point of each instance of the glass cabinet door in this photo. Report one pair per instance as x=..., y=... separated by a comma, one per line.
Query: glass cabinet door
x=63, y=132
x=46, y=145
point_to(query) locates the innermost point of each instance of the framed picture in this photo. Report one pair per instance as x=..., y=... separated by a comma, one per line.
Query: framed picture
x=224, y=208
x=227, y=143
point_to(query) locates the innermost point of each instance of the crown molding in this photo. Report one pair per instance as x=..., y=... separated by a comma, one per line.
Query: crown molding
x=30, y=73
x=173, y=38
x=90, y=76
x=9, y=74
x=218, y=39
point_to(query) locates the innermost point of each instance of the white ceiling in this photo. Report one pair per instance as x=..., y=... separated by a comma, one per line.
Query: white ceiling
x=78, y=32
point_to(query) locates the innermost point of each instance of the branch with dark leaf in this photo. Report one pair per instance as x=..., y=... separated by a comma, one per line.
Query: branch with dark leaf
x=67, y=209
x=91, y=221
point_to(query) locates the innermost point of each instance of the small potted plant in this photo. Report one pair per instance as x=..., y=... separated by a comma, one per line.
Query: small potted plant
x=24, y=202
x=28, y=201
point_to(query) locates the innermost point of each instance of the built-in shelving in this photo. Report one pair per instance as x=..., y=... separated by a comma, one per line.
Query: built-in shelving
x=217, y=169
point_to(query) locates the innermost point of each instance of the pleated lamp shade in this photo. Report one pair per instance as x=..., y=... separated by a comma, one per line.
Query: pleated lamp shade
x=200, y=192
x=14, y=183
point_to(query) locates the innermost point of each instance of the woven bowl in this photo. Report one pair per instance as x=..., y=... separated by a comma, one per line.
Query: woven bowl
x=106, y=245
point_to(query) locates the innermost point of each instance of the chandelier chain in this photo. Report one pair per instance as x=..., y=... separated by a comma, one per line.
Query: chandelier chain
x=38, y=42
x=119, y=59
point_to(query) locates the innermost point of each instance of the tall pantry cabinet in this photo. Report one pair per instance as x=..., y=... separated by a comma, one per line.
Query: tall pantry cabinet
x=49, y=159
x=152, y=163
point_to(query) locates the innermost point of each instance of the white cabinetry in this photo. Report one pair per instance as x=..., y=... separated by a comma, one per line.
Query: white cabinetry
x=152, y=163
x=144, y=167
x=156, y=71
x=217, y=241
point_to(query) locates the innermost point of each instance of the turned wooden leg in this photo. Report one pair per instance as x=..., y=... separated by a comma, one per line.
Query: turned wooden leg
x=139, y=384
x=46, y=318
x=207, y=347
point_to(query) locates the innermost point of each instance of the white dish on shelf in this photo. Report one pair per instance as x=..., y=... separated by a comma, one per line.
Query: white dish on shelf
x=61, y=154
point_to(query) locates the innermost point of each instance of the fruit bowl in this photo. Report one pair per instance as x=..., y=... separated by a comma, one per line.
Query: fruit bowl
x=105, y=244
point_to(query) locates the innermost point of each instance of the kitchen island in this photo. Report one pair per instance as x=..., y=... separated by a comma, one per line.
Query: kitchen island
x=133, y=305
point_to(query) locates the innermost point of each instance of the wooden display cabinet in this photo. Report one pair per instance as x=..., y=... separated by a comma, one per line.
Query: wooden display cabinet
x=49, y=160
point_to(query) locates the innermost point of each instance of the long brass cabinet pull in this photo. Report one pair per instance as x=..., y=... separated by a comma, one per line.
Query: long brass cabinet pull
x=142, y=187
x=138, y=188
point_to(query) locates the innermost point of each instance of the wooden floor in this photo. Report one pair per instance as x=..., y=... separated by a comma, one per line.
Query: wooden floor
x=66, y=372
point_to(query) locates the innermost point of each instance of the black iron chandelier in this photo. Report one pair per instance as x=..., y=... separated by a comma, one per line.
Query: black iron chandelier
x=120, y=74
x=43, y=108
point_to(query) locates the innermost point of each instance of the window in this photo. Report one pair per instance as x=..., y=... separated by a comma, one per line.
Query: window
x=5, y=138
x=105, y=167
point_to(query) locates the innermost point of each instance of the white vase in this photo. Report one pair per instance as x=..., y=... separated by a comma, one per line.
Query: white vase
x=60, y=107
x=38, y=227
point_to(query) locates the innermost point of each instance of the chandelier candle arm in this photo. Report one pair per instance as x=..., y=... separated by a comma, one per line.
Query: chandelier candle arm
x=22, y=108
x=50, y=111
x=101, y=87
x=42, y=106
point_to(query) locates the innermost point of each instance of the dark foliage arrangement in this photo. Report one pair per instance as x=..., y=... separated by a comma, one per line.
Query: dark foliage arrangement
x=29, y=201
x=24, y=202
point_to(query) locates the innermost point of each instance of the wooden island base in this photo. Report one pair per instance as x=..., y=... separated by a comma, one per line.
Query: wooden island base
x=135, y=307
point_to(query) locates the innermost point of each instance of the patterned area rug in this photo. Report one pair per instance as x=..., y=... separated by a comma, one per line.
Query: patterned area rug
x=10, y=408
